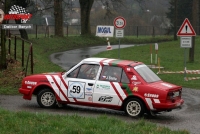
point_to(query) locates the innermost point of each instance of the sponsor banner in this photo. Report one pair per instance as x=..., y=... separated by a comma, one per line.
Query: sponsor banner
x=105, y=31
x=17, y=26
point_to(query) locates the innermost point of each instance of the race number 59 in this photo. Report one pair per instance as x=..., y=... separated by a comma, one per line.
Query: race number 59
x=76, y=90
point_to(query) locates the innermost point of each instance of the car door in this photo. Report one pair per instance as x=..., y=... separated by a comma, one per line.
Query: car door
x=81, y=83
x=107, y=88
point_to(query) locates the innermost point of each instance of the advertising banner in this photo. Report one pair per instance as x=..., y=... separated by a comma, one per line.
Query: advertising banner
x=105, y=31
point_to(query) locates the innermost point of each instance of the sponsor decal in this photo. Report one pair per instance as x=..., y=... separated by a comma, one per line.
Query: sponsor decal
x=135, y=89
x=111, y=78
x=76, y=90
x=134, y=77
x=103, y=87
x=30, y=83
x=136, y=83
x=167, y=85
x=89, y=89
x=105, y=99
x=89, y=98
x=88, y=94
x=151, y=95
x=29, y=87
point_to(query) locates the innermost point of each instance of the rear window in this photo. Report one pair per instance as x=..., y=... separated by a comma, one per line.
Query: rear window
x=146, y=73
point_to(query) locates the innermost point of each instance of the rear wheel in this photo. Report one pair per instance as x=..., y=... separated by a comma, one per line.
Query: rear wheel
x=46, y=98
x=134, y=107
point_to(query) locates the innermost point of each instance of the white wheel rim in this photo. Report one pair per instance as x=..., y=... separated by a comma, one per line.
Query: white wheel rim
x=48, y=99
x=133, y=108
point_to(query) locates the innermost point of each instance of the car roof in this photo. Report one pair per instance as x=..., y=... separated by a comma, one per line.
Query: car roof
x=111, y=62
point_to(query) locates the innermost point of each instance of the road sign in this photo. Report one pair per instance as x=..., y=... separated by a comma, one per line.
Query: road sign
x=119, y=22
x=186, y=29
x=186, y=42
x=1, y=16
x=119, y=33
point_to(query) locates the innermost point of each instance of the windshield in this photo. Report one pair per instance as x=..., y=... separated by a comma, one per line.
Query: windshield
x=146, y=73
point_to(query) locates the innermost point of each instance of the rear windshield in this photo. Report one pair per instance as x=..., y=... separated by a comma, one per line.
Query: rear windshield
x=146, y=73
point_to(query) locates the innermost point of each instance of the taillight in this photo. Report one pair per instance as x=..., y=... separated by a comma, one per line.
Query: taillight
x=173, y=94
x=170, y=95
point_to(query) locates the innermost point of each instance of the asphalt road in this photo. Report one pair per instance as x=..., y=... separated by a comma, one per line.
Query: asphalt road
x=186, y=118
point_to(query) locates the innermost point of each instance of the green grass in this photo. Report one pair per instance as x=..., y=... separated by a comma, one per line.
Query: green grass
x=171, y=58
x=38, y=123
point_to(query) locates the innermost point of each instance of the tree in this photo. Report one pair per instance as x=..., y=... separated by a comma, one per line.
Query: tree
x=85, y=6
x=3, y=64
x=195, y=11
x=58, y=13
x=185, y=9
x=178, y=11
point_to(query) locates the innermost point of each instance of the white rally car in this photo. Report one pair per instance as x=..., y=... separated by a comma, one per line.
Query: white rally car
x=109, y=83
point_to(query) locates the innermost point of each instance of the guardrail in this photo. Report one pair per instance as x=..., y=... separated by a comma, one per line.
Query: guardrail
x=30, y=52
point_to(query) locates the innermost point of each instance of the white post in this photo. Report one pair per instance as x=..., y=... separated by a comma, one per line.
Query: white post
x=109, y=46
x=156, y=48
x=151, y=53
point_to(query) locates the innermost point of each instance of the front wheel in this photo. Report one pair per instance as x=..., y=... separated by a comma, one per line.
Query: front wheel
x=134, y=107
x=46, y=98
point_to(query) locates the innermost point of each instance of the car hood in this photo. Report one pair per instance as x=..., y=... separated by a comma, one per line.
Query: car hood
x=42, y=75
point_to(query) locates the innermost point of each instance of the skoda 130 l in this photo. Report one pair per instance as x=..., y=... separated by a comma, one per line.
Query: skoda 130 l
x=125, y=85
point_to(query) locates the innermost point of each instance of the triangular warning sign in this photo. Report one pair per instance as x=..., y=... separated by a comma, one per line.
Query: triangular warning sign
x=186, y=29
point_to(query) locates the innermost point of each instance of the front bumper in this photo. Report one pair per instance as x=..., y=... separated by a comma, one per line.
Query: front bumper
x=27, y=93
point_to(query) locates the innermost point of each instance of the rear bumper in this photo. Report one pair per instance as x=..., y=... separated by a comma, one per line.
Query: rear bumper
x=168, y=105
x=27, y=93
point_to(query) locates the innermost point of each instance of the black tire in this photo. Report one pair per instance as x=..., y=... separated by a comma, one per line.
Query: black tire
x=46, y=98
x=134, y=107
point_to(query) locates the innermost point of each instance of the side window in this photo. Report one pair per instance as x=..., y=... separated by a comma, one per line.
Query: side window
x=110, y=73
x=124, y=78
x=85, y=71
x=74, y=73
x=88, y=71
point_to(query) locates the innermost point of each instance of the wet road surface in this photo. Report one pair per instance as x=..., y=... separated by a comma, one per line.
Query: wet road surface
x=187, y=118
x=72, y=57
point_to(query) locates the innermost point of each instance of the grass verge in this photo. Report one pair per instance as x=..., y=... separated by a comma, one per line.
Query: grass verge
x=171, y=58
x=29, y=123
